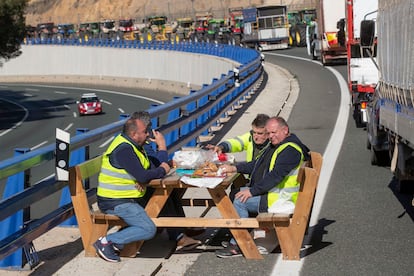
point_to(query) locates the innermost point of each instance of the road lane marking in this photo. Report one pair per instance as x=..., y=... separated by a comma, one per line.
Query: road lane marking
x=38, y=145
x=26, y=114
x=69, y=126
x=106, y=142
x=61, y=92
x=121, y=110
x=330, y=156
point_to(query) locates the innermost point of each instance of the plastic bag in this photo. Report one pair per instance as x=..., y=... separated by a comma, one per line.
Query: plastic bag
x=283, y=205
x=192, y=159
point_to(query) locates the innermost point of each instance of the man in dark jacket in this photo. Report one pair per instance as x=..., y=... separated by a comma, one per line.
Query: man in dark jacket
x=273, y=176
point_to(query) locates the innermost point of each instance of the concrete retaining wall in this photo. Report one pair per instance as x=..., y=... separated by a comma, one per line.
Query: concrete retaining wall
x=150, y=69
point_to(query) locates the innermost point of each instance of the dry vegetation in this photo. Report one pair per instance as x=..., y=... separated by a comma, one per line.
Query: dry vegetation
x=76, y=11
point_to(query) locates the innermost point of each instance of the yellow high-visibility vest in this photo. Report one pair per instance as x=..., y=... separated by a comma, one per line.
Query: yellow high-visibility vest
x=118, y=183
x=289, y=186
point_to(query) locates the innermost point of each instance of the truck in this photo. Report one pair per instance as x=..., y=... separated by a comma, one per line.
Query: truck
x=266, y=28
x=361, y=56
x=390, y=126
x=325, y=37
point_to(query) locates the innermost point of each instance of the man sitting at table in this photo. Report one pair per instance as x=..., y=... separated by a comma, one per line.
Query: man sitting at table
x=122, y=184
x=273, y=176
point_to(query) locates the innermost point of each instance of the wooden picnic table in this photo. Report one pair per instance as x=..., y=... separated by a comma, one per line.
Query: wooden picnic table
x=229, y=216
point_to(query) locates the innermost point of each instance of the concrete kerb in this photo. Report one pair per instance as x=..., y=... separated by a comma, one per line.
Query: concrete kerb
x=60, y=250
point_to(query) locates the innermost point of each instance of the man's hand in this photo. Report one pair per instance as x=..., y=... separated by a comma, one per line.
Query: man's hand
x=243, y=195
x=140, y=187
x=217, y=149
x=226, y=168
x=159, y=139
x=166, y=167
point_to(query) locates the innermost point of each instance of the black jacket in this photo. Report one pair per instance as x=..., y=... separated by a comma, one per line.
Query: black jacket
x=261, y=180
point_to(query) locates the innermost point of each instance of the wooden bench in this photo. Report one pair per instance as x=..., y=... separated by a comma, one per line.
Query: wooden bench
x=290, y=230
x=92, y=223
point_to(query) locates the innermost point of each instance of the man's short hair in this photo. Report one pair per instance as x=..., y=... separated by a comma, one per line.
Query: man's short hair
x=143, y=116
x=260, y=120
x=130, y=125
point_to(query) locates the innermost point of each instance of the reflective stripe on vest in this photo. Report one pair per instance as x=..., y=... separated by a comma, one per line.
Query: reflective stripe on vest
x=244, y=142
x=118, y=183
x=289, y=186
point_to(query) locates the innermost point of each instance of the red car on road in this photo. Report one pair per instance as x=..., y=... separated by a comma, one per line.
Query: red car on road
x=89, y=104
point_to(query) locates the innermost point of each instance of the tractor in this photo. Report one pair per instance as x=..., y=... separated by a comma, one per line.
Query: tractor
x=298, y=20
x=185, y=29
x=236, y=25
x=127, y=30
x=218, y=31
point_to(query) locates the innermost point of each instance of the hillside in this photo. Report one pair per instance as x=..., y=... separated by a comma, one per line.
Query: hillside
x=76, y=11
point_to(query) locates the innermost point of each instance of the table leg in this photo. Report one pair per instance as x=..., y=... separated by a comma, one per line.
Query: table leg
x=242, y=236
x=157, y=201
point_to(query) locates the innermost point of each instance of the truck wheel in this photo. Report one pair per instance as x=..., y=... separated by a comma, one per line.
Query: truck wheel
x=405, y=186
x=380, y=158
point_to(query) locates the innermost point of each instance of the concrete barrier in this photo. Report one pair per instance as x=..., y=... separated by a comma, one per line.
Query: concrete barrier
x=166, y=70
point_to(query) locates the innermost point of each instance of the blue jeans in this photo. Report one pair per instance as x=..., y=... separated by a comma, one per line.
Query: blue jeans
x=140, y=226
x=244, y=208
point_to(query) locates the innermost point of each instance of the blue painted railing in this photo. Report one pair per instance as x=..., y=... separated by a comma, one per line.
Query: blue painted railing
x=182, y=121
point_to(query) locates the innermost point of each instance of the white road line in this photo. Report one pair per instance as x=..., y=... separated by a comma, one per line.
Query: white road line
x=61, y=92
x=75, y=114
x=121, y=110
x=329, y=159
x=66, y=106
x=106, y=102
x=96, y=90
x=26, y=114
x=69, y=126
x=106, y=142
x=38, y=146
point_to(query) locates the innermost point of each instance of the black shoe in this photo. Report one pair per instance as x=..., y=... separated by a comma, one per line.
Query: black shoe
x=117, y=247
x=230, y=251
x=106, y=251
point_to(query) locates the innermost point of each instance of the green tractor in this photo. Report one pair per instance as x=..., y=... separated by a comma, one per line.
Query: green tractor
x=185, y=29
x=298, y=20
x=218, y=31
x=88, y=30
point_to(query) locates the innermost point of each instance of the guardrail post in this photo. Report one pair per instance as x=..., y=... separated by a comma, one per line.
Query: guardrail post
x=173, y=115
x=185, y=129
x=12, y=224
x=76, y=157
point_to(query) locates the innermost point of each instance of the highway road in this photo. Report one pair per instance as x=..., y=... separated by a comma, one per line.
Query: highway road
x=364, y=226
x=30, y=114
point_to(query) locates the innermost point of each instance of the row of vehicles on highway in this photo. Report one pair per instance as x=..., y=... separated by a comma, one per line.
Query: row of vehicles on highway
x=374, y=38
x=265, y=28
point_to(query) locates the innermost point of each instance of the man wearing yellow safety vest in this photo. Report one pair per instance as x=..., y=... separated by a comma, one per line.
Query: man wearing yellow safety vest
x=122, y=184
x=253, y=142
x=273, y=176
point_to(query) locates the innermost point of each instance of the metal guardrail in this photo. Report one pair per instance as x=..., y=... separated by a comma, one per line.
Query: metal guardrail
x=187, y=118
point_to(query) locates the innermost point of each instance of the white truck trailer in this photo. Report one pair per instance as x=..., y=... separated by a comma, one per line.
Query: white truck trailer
x=390, y=124
x=326, y=36
x=266, y=28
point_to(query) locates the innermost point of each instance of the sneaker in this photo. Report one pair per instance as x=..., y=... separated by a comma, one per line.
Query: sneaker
x=230, y=251
x=262, y=250
x=106, y=251
x=117, y=247
x=187, y=243
x=225, y=244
